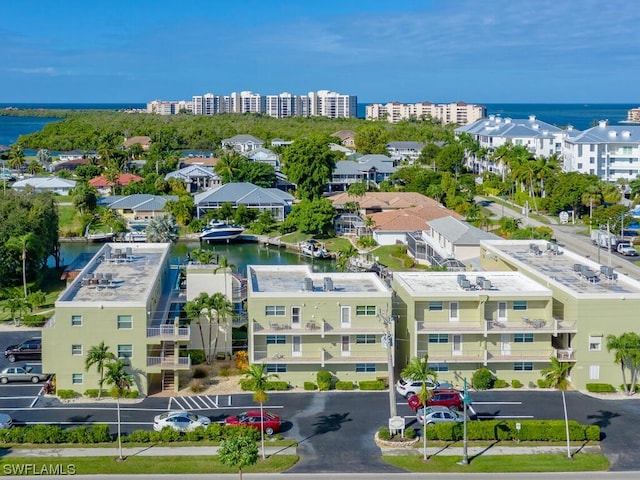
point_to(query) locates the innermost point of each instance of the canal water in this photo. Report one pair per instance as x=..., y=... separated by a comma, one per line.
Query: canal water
x=239, y=254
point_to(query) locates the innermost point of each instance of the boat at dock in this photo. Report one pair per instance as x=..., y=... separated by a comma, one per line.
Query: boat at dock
x=98, y=237
x=313, y=248
x=218, y=231
x=135, y=236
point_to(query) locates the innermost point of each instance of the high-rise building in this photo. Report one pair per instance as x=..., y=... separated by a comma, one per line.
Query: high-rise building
x=460, y=113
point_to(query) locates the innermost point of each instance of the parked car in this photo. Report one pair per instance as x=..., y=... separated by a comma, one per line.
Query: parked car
x=28, y=350
x=437, y=414
x=270, y=421
x=180, y=420
x=5, y=421
x=626, y=249
x=449, y=398
x=408, y=388
x=25, y=373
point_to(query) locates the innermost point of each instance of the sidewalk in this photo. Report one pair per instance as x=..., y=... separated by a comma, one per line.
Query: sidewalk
x=489, y=450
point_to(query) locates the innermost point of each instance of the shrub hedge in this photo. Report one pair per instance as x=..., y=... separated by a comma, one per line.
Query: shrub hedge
x=516, y=383
x=66, y=394
x=197, y=356
x=310, y=386
x=600, y=388
x=344, y=385
x=324, y=379
x=372, y=385
x=483, y=379
x=247, y=385
x=499, y=383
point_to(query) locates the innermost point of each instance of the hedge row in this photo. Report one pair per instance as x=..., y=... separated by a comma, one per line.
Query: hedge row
x=247, y=384
x=531, y=430
x=600, y=388
x=53, y=434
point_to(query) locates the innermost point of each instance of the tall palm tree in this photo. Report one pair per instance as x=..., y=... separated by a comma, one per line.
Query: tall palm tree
x=222, y=309
x=100, y=356
x=16, y=157
x=194, y=309
x=258, y=377
x=17, y=306
x=344, y=254
x=224, y=265
x=22, y=244
x=627, y=353
x=163, y=228
x=556, y=377
x=204, y=256
x=418, y=370
x=118, y=377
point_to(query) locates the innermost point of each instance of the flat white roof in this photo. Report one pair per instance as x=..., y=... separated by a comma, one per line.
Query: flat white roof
x=446, y=284
x=301, y=281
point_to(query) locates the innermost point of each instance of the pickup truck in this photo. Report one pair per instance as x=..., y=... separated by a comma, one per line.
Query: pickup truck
x=625, y=248
x=26, y=373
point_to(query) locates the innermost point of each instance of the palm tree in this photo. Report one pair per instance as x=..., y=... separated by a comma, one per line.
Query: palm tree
x=556, y=377
x=100, y=356
x=222, y=310
x=627, y=355
x=193, y=309
x=224, y=265
x=118, y=377
x=23, y=243
x=418, y=370
x=258, y=377
x=163, y=229
x=17, y=306
x=344, y=254
x=204, y=256
x=16, y=157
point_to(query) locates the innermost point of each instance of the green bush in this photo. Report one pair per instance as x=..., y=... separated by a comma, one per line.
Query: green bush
x=168, y=434
x=67, y=394
x=516, y=384
x=100, y=433
x=384, y=433
x=483, y=379
x=197, y=356
x=600, y=388
x=131, y=394
x=410, y=432
x=344, y=385
x=448, y=431
x=372, y=385
x=247, y=384
x=324, y=379
x=200, y=372
x=310, y=386
x=34, y=320
x=637, y=389
x=80, y=434
x=196, y=434
x=542, y=383
x=593, y=433
x=499, y=383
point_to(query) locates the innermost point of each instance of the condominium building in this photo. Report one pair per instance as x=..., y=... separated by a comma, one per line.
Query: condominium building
x=301, y=322
x=500, y=320
x=633, y=115
x=460, y=113
x=281, y=106
x=590, y=300
x=161, y=107
x=610, y=152
x=122, y=297
x=325, y=103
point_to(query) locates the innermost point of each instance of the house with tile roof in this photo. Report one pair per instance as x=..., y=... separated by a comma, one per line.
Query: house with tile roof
x=105, y=186
x=139, y=208
x=347, y=138
x=196, y=178
x=143, y=140
x=374, y=202
x=57, y=185
x=242, y=143
x=273, y=200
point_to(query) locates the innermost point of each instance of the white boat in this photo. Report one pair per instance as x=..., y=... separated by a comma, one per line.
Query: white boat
x=135, y=236
x=220, y=231
x=364, y=261
x=98, y=237
x=313, y=248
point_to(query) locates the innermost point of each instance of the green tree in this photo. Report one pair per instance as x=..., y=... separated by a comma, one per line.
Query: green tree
x=194, y=310
x=308, y=163
x=259, y=173
x=182, y=209
x=36, y=299
x=344, y=255
x=626, y=350
x=16, y=157
x=44, y=158
x=117, y=376
x=371, y=139
x=17, y=307
x=23, y=244
x=357, y=190
x=429, y=154
x=84, y=197
x=163, y=228
x=225, y=211
x=34, y=168
x=450, y=158
x=245, y=216
x=230, y=166
x=258, y=379
x=315, y=217
x=204, y=256
x=238, y=451
x=418, y=370
x=222, y=310
x=99, y=355
x=556, y=377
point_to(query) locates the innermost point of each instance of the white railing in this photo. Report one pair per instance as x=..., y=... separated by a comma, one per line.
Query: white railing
x=50, y=323
x=175, y=362
x=169, y=331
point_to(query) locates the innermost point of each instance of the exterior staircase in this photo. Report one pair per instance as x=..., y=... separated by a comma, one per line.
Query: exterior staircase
x=168, y=358
x=168, y=380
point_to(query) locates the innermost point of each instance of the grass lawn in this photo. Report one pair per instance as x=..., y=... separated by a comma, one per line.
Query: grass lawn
x=391, y=256
x=68, y=221
x=149, y=465
x=502, y=463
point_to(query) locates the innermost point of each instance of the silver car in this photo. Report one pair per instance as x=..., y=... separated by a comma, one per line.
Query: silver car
x=437, y=414
x=26, y=373
x=180, y=420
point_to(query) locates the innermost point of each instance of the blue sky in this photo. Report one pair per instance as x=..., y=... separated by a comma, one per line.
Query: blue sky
x=477, y=51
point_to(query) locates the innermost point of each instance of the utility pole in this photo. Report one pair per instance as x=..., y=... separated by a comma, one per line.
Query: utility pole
x=389, y=344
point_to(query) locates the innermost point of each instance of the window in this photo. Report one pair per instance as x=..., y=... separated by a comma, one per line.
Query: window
x=594, y=372
x=435, y=306
x=368, y=310
x=439, y=367
x=76, y=349
x=274, y=310
x=76, y=320
x=523, y=337
x=438, y=338
x=519, y=304
x=368, y=339
x=365, y=367
x=276, y=339
x=76, y=378
x=295, y=316
x=595, y=343
x=523, y=366
x=276, y=368
x=125, y=321
x=125, y=351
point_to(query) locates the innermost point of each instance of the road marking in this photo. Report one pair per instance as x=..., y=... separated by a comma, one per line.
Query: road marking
x=84, y=423
x=12, y=398
x=481, y=417
x=497, y=403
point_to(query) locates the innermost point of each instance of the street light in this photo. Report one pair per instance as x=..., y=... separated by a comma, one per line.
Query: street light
x=465, y=400
x=388, y=344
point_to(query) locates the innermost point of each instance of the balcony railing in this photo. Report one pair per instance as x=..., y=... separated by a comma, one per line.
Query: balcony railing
x=317, y=327
x=169, y=332
x=320, y=356
x=169, y=362
x=486, y=356
x=522, y=324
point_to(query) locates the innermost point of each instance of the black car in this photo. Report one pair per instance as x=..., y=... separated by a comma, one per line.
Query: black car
x=28, y=350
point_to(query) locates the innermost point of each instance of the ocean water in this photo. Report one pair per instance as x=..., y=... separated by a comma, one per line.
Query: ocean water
x=12, y=127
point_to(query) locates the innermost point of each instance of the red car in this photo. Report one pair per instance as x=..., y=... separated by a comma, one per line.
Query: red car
x=270, y=422
x=446, y=398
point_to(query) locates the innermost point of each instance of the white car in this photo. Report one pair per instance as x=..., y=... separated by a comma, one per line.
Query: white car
x=437, y=414
x=180, y=420
x=408, y=388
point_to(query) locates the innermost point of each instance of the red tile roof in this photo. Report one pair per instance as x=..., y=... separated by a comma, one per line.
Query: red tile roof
x=123, y=180
x=411, y=219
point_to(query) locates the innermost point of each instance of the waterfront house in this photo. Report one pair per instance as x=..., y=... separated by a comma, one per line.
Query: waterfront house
x=139, y=208
x=301, y=322
x=122, y=297
x=196, y=178
x=105, y=186
x=369, y=169
x=57, y=185
x=264, y=155
x=144, y=141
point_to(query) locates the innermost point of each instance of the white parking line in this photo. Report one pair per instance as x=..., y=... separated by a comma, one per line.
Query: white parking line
x=497, y=403
x=13, y=398
x=492, y=417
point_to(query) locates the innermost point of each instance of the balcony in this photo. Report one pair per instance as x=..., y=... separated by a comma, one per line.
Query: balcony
x=321, y=357
x=316, y=327
x=509, y=356
x=506, y=356
x=450, y=327
x=169, y=332
x=521, y=325
x=173, y=363
x=464, y=356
